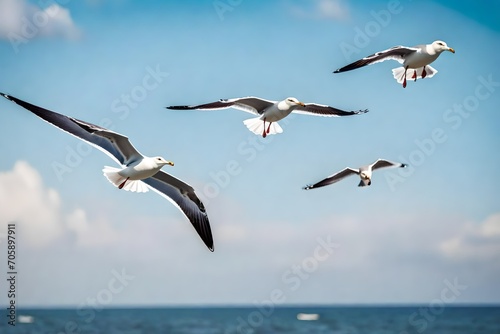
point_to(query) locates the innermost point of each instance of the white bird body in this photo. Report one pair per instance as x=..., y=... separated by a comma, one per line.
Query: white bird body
x=420, y=59
x=142, y=169
x=129, y=178
x=365, y=174
x=278, y=111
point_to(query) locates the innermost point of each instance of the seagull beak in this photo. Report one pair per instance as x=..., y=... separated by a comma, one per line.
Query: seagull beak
x=451, y=50
x=301, y=104
x=170, y=163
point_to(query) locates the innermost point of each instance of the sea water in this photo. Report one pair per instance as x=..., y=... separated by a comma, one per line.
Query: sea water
x=260, y=320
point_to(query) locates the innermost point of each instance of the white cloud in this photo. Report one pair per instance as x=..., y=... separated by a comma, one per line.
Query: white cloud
x=477, y=242
x=33, y=207
x=21, y=21
x=321, y=9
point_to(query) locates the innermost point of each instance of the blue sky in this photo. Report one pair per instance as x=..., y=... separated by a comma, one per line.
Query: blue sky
x=396, y=241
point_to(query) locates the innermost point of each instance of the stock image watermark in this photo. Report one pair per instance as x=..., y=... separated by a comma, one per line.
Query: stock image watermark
x=223, y=6
x=291, y=279
x=11, y=274
x=246, y=152
x=453, y=118
x=363, y=36
x=121, y=107
x=421, y=319
x=93, y=304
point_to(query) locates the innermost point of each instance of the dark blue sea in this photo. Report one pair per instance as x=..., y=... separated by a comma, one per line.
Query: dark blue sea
x=263, y=320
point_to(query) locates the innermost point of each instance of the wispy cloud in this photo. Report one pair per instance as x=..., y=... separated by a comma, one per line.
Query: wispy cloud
x=21, y=20
x=473, y=241
x=320, y=9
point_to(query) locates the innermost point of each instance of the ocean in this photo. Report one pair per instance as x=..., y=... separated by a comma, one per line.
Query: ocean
x=259, y=320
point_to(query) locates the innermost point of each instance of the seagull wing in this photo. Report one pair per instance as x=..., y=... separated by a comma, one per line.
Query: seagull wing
x=333, y=178
x=323, y=110
x=381, y=163
x=183, y=196
x=113, y=144
x=253, y=105
x=398, y=53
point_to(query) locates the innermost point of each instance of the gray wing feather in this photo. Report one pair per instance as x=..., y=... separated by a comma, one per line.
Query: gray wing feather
x=324, y=110
x=398, y=53
x=183, y=196
x=381, y=163
x=253, y=105
x=121, y=151
x=120, y=142
x=333, y=178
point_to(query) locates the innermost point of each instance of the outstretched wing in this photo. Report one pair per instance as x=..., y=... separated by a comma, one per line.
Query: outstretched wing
x=324, y=110
x=381, y=163
x=398, y=53
x=183, y=196
x=253, y=105
x=333, y=178
x=113, y=144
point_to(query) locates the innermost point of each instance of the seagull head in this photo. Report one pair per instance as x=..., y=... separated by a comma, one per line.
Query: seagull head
x=440, y=46
x=292, y=102
x=160, y=162
x=365, y=178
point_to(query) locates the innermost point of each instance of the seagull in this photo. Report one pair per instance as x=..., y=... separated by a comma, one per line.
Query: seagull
x=138, y=173
x=365, y=173
x=415, y=58
x=270, y=111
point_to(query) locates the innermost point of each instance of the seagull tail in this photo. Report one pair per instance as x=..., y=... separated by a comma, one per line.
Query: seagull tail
x=429, y=72
x=275, y=128
x=363, y=183
x=256, y=125
x=117, y=180
x=399, y=73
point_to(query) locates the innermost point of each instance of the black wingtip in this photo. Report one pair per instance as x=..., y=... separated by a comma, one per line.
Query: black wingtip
x=403, y=165
x=6, y=96
x=358, y=112
x=211, y=249
x=307, y=187
x=337, y=71
x=178, y=107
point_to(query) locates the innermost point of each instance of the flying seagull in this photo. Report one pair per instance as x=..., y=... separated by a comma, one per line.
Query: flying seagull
x=365, y=173
x=270, y=111
x=415, y=58
x=138, y=172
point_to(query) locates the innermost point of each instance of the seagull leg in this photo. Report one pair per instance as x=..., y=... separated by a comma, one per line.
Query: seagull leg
x=269, y=127
x=414, y=77
x=404, y=79
x=424, y=73
x=123, y=183
x=264, y=134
